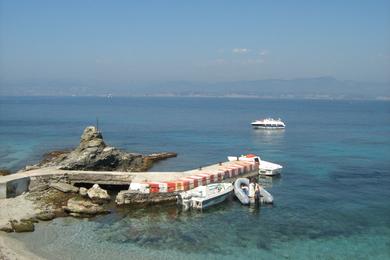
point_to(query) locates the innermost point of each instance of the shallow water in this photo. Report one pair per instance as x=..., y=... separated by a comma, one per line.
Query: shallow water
x=332, y=201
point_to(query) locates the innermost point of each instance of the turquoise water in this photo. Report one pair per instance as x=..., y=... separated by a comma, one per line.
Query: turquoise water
x=332, y=201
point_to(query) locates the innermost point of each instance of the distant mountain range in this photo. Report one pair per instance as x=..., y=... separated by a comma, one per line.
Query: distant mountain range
x=306, y=88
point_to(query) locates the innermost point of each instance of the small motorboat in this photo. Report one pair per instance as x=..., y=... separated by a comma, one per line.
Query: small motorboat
x=242, y=195
x=265, y=167
x=205, y=196
x=270, y=169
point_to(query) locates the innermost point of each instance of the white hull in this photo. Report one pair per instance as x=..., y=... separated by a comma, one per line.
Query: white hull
x=268, y=123
x=270, y=169
x=266, y=172
x=268, y=127
x=205, y=196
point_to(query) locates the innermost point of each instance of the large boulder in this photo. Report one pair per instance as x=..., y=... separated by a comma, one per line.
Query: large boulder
x=45, y=215
x=97, y=193
x=22, y=226
x=93, y=154
x=84, y=207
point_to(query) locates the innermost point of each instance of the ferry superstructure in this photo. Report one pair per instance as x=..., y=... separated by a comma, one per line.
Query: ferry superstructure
x=268, y=123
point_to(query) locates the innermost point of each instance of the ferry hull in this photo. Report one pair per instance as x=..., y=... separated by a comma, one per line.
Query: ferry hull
x=268, y=127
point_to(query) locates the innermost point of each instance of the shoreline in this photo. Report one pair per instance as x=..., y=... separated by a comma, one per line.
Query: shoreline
x=13, y=249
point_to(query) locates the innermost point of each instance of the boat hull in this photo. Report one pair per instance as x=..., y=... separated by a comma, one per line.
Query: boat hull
x=268, y=127
x=269, y=169
x=266, y=172
x=240, y=193
x=213, y=201
x=205, y=196
x=265, y=196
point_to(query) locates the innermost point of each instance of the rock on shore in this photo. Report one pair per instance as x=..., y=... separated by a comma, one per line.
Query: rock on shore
x=81, y=206
x=4, y=172
x=93, y=154
x=57, y=197
x=97, y=193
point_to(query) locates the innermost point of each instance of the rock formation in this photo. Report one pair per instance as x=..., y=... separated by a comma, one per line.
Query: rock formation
x=4, y=172
x=97, y=193
x=55, y=196
x=22, y=226
x=80, y=207
x=93, y=154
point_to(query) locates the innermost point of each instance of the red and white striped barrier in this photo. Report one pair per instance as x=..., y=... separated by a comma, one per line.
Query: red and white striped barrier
x=193, y=181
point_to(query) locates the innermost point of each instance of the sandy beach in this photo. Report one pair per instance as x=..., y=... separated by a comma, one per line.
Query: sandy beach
x=11, y=249
x=16, y=208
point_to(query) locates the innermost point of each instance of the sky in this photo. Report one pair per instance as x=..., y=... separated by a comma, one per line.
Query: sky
x=213, y=41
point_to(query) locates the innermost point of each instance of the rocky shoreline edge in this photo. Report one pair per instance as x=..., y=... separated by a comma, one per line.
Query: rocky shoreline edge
x=58, y=198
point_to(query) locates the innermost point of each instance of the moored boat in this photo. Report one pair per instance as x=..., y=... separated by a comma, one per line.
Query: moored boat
x=241, y=186
x=270, y=169
x=265, y=168
x=205, y=196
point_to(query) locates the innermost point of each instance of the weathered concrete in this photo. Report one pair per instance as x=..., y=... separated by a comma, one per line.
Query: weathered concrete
x=12, y=187
x=64, y=187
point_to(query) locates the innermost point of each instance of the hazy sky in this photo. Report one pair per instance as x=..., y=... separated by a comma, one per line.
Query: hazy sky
x=123, y=41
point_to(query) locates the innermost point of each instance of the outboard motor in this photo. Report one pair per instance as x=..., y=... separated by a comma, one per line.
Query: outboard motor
x=184, y=200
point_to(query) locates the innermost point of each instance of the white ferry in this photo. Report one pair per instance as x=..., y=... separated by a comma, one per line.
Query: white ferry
x=268, y=123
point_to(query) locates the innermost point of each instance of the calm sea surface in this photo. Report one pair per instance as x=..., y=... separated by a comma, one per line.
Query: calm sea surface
x=331, y=202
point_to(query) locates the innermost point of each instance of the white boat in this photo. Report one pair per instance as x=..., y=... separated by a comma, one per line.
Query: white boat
x=270, y=169
x=205, y=196
x=242, y=195
x=268, y=123
x=265, y=167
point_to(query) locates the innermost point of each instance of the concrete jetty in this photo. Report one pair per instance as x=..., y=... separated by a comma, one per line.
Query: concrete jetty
x=152, y=182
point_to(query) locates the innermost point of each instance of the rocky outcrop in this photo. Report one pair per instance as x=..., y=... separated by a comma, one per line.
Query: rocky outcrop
x=4, y=172
x=22, y=226
x=97, y=193
x=45, y=216
x=64, y=187
x=6, y=228
x=82, y=207
x=94, y=154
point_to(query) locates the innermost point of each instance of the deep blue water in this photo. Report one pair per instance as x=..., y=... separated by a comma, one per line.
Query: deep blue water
x=332, y=200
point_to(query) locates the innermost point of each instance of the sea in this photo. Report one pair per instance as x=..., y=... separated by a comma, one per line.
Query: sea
x=332, y=200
